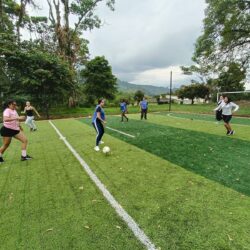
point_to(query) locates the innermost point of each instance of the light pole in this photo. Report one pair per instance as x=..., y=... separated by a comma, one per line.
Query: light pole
x=170, y=90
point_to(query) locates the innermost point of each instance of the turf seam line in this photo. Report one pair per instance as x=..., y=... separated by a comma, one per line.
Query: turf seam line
x=118, y=131
x=215, y=122
x=134, y=227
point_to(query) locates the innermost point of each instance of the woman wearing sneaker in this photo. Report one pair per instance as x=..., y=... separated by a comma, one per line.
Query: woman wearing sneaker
x=124, y=110
x=29, y=111
x=228, y=108
x=98, y=121
x=11, y=128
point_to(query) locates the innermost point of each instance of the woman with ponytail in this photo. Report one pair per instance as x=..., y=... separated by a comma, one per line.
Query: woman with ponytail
x=228, y=108
x=11, y=128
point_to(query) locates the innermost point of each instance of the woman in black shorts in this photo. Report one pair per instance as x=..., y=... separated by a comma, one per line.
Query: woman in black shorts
x=227, y=107
x=11, y=128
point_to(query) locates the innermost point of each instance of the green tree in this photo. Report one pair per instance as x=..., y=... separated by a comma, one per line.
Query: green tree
x=192, y=91
x=138, y=96
x=226, y=35
x=98, y=79
x=43, y=77
x=231, y=78
x=68, y=38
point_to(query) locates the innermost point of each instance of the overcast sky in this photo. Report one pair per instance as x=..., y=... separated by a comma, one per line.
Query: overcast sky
x=145, y=39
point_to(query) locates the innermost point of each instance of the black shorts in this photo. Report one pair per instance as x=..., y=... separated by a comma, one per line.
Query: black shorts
x=226, y=118
x=7, y=132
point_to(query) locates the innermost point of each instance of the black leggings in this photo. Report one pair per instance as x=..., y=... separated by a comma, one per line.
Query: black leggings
x=99, y=130
x=124, y=115
x=144, y=114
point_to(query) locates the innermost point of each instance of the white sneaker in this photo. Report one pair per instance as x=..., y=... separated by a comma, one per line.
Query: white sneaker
x=101, y=142
x=96, y=148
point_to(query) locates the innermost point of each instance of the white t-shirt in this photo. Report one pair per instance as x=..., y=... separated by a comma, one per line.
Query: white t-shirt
x=227, y=108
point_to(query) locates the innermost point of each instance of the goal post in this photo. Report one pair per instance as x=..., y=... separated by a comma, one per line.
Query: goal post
x=232, y=93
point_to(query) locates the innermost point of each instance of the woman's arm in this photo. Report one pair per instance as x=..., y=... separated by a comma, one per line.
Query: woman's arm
x=99, y=117
x=24, y=111
x=219, y=107
x=235, y=107
x=36, y=112
x=8, y=119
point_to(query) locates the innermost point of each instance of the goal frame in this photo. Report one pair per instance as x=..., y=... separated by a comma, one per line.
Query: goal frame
x=231, y=92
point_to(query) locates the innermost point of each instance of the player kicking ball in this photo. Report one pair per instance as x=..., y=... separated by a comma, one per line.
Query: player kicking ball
x=98, y=122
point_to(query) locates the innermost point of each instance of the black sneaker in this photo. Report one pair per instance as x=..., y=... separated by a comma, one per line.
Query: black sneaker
x=1, y=160
x=26, y=158
x=228, y=132
x=231, y=132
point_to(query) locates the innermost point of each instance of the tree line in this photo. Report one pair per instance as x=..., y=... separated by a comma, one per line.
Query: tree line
x=221, y=59
x=52, y=65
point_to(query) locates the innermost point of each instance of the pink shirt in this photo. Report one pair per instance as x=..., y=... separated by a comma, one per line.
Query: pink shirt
x=9, y=113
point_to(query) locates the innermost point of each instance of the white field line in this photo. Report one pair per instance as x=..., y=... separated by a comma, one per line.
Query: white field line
x=118, y=131
x=183, y=118
x=134, y=227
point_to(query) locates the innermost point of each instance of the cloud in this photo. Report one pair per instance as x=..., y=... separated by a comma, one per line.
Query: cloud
x=143, y=39
x=162, y=76
x=146, y=36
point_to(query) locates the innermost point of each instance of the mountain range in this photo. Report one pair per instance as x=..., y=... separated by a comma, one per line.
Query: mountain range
x=147, y=89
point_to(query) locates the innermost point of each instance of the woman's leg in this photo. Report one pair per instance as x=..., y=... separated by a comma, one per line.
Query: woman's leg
x=145, y=114
x=22, y=138
x=96, y=126
x=228, y=127
x=6, y=143
x=100, y=132
x=28, y=122
x=32, y=121
x=124, y=114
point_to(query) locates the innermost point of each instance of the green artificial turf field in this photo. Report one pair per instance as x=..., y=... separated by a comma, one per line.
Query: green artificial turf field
x=184, y=182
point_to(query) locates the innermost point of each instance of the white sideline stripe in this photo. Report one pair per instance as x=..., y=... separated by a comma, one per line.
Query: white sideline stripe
x=139, y=234
x=118, y=131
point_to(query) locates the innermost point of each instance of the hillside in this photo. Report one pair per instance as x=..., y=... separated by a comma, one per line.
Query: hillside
x=147, y=89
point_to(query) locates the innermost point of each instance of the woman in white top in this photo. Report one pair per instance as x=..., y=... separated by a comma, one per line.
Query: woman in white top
x=29, y=111
x=227, y=108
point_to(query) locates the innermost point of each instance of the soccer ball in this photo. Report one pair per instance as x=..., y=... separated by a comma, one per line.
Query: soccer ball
x=106, y=150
